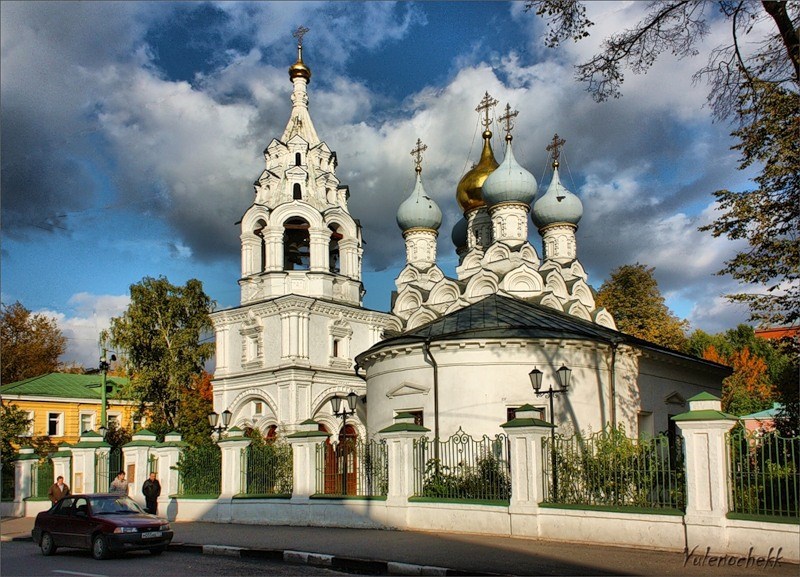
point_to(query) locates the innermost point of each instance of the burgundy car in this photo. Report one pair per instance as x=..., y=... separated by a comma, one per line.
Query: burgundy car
x=103, y=523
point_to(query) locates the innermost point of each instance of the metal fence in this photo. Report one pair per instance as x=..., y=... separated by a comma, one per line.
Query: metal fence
x=41, y=478
x=106, y=467
x=764, y=473
x=8, y=483
x=200, y=471
x=610, y=469
x=353, y=467
x=267, y=469
x=462, y=468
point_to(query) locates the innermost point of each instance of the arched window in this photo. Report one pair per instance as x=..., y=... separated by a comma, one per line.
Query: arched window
x=297, y=159
x=296, y=245
x=272, y=434
x=333, y=249
x=297, y=192
x=259, y=232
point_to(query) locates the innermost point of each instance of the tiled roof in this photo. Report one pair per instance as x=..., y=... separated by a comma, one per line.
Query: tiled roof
x=64, y=385
x=504, y=317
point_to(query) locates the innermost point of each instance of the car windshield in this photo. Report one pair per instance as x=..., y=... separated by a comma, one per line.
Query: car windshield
x=114, y=506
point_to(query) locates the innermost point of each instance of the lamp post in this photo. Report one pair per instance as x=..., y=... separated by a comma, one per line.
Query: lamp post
x=214, y=418
x=104, y=366
x=563, y=376
x=343, y=413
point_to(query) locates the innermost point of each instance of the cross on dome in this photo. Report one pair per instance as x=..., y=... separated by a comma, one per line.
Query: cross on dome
x=555, y=146
x=486, y=103
x=417, y=154
x=299, y=33
x=508, y=119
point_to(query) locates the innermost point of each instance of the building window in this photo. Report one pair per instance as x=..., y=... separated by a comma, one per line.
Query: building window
x=335, y=347
x=259, y=232
x=113, y=421
x=296, y=245
x=86, y=423
x=333, y=249
x=55, y=426
x=258, y=408
x=297, y=159
x=418, y=416
x=297, y=192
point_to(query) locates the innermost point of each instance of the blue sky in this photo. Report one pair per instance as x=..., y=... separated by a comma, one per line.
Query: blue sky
x=132, y=133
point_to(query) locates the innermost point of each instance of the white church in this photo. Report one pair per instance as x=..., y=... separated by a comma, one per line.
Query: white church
x=453, y=352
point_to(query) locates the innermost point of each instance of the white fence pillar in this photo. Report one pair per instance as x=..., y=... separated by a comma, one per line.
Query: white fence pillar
x=707, y=502
x=23, y=479
x=400, y=452
x=231, y=448
x=136, y=462
x=62, y=464
x=168, y=454
x=84, y=455
x=304, y=464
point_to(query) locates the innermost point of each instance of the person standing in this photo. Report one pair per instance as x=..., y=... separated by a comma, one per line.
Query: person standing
x=151, y=490
x=119, y=485
x=58, y=490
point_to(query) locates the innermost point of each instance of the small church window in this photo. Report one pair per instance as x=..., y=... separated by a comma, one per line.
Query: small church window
x=296, y=245
x=297, y=159
x=335, y=347
x=333, y=250
x=259, y=232
x=297, y=192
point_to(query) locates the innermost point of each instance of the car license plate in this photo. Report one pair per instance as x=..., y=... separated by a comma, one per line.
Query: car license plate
x=151, y=534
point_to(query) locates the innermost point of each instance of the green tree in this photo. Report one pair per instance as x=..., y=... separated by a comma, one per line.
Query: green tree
x=754, y=82
x=31, y=343
x=632, y=295
x=161, y=336
x=13, y=424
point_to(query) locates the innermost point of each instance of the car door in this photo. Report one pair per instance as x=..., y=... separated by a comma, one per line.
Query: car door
x=58, y=522
x=81, y=524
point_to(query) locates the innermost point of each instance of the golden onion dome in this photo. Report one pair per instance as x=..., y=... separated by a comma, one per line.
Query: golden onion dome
x=299, y=69
x=469, y=193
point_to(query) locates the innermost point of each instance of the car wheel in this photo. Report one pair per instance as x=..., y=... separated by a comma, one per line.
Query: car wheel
x=48, y=545
x=100, y=547
x=156, y=550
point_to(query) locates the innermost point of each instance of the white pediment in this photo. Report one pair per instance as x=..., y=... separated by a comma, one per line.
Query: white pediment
x=407, y=388
x=675, y=398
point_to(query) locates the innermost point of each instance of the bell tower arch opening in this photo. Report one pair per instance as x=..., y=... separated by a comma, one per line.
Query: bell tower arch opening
x=296, y=244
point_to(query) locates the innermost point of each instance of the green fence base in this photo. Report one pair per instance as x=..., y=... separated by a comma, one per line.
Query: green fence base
x=37, y=498
x=614, y=509
x=201, y=496
x=490, y=502
x=765, y=518
x=347, y=497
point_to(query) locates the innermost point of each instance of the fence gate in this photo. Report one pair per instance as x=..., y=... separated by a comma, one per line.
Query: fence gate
x=106, y=467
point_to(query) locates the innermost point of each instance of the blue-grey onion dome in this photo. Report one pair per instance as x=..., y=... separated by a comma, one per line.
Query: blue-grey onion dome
x=509, y=182
x=557, y=205
x=459, y=234
x=419, y=210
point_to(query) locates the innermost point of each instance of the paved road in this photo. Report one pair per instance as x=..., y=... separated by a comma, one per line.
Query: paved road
x=25, y=559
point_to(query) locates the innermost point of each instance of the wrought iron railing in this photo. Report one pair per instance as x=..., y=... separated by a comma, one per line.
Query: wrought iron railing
x=107, y=465
x=764, y=473
x=267, y=469
x=200, y=471
x=353, y=467
x=41, y=478
x=8, y=483
x=608, y=468
x=462, y=468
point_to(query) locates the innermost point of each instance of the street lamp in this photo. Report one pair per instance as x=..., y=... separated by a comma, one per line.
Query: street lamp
x=213, y=419
x=563, y=376
x=104, y=366
x=343, y=413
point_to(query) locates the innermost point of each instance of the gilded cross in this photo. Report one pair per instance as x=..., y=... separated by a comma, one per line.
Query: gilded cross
x=417, y=154
x=555, y=146
x=508, y=119
x=487, y=102
x=299, y=33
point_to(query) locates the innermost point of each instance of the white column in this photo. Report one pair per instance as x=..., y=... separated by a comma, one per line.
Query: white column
x=304, y=463
x=232, y=447
x=318, y=245
x=137, y=453
x=23, y=478
x=168, y=454
x=62, y=465
x=84, y=455
x=703, y=429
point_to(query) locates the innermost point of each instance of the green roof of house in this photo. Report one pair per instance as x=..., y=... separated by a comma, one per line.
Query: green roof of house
x=766, y=413
x=64, y=385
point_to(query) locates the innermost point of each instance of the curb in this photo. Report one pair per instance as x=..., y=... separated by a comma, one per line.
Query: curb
x=18, y=537
x=354, y=564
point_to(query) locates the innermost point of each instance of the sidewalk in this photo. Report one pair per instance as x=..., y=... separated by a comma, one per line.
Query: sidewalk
x=420, y=553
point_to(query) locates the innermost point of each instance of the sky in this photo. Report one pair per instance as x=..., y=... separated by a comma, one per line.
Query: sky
x=131, y=134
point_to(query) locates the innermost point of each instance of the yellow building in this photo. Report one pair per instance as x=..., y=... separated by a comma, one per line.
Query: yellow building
x=62, y=405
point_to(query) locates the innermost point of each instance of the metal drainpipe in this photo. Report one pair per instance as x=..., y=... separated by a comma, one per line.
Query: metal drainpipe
x=426, y=350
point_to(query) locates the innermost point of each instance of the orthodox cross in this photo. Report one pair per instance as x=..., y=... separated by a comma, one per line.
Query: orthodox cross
x=508, y=119
x=417, y=154
x=555, y=146
x=487, y=102
x=299, y=33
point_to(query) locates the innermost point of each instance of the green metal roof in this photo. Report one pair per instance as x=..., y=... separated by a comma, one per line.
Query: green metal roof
x=507, y=318
x=765, y=414
x=64, y=385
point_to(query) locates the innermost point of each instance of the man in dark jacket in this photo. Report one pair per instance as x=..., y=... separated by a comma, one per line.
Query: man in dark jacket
x=58, y=490
x=151, y=490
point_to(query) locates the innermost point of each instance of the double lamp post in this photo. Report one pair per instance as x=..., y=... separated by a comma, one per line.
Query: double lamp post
x=563, y=376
